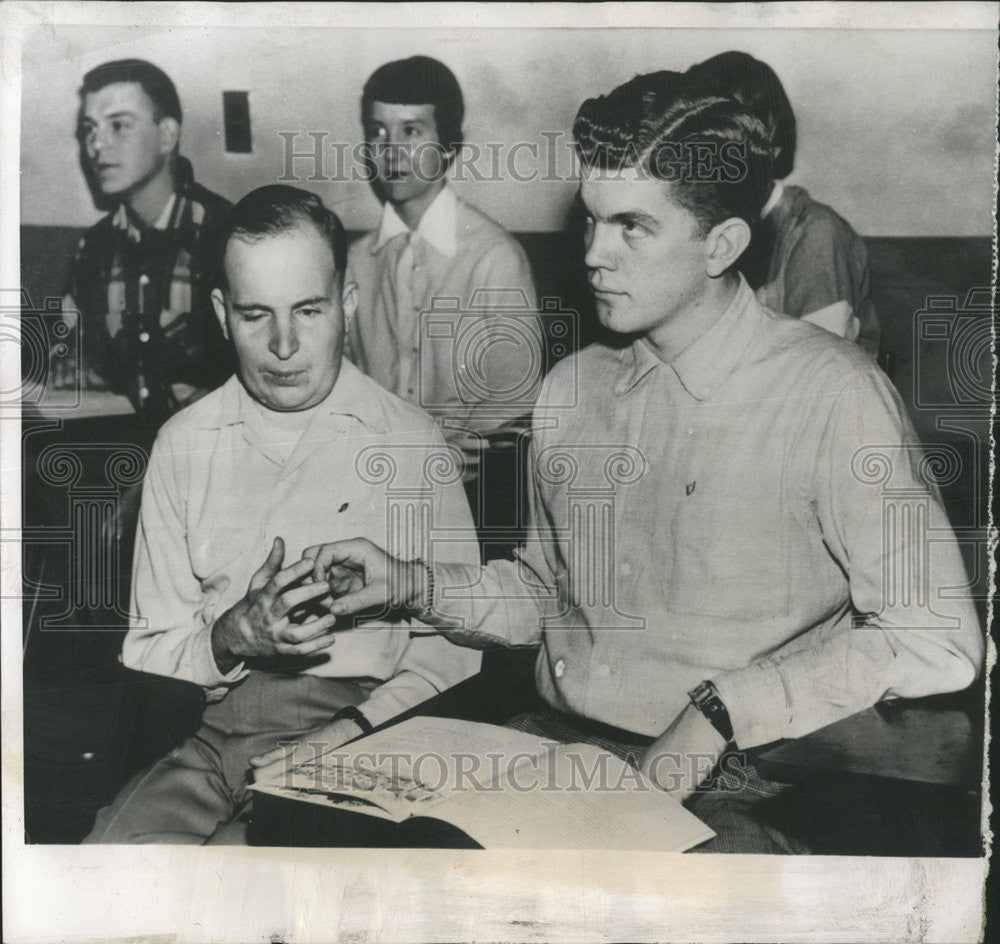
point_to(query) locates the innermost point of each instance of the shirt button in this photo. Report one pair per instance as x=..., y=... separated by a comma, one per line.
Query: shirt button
x=560, y=668
x=626, y=569
x=602, y=671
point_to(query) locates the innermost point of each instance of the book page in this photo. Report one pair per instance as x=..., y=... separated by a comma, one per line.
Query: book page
x=578, y=797
x=503, y=788
x=411, y=768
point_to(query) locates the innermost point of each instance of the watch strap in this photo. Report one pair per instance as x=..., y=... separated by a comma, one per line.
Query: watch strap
x=705, y=697
x=352, y=713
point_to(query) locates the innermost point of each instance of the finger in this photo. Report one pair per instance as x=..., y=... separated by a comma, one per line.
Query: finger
x=344, y=581
x=290, y=599
x=262, y=760
x=353, y=552
x=277, y=583
x=374, y=595
x=270, y=566
x=309, y=630
x=312, y=553
x=301, y=649
x=273, y=770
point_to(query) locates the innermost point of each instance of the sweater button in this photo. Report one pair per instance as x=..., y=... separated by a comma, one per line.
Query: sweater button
x=560, y=669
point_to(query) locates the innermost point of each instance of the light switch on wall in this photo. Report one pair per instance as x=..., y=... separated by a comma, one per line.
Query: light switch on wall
x=236, y=121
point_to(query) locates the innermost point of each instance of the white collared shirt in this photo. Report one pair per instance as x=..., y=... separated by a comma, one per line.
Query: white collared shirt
x=437, y=225
x=216, y=495
x=463, y=269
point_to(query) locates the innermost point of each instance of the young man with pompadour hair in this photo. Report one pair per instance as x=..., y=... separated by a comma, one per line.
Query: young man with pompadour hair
x=743, y=585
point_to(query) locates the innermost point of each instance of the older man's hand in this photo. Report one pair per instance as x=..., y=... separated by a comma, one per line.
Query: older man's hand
x=260, y=623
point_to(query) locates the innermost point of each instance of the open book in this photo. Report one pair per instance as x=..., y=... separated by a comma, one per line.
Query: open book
x=503, y=788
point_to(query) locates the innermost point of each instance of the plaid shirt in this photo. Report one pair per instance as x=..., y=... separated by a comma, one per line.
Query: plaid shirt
x=125, y=274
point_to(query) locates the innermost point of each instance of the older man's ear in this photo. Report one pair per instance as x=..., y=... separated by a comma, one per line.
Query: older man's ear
x=349, y=302
x=219, y=304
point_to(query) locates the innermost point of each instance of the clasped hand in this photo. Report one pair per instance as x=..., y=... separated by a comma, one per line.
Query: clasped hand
x=361, y=576
x=262, y=623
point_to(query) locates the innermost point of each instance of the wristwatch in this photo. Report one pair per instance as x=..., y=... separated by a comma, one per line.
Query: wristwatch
x=352, y=713
x=705, y=697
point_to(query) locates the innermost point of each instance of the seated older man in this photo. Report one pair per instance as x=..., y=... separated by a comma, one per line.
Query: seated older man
x=298, y=449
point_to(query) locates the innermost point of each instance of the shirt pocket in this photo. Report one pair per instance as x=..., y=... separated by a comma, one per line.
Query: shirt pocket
x=731, y=558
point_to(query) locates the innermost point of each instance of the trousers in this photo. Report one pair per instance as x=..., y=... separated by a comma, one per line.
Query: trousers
x=199, y=793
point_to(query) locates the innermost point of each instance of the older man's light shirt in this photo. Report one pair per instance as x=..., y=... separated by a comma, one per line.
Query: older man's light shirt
x=221, y=486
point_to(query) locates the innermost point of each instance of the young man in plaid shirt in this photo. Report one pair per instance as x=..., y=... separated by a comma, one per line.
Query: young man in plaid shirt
x=140, y=280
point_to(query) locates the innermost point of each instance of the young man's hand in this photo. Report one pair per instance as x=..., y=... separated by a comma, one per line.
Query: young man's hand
x=684, y=755
x=362, y=576
x=259, y=624
x=308, y=747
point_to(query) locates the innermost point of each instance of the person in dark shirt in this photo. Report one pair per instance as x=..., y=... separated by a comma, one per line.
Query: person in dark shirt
x=808, y=263
x=140, y=279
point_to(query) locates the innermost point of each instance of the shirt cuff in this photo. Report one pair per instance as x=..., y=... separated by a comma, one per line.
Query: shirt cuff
x=383, y=704
x=757, y=702
x=211, y=677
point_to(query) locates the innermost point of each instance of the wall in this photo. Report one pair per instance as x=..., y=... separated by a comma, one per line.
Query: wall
x=896, y=126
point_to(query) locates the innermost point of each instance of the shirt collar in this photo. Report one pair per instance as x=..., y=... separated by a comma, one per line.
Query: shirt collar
x=777, y=192
x=437, y=226
x=122, y=220
x=705, y=363
x=163, y=220
x=349, y=397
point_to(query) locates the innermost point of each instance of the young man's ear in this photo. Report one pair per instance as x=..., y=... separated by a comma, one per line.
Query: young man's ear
x=219, y=304
x=170, y=135
x=349, y=302
x=726, y=242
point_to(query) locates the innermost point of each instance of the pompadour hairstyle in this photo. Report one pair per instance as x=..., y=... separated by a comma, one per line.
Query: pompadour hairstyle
x=715, y=154
x=154, y=81
x=754, y=84
x=277, y=208
x=418, y=80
